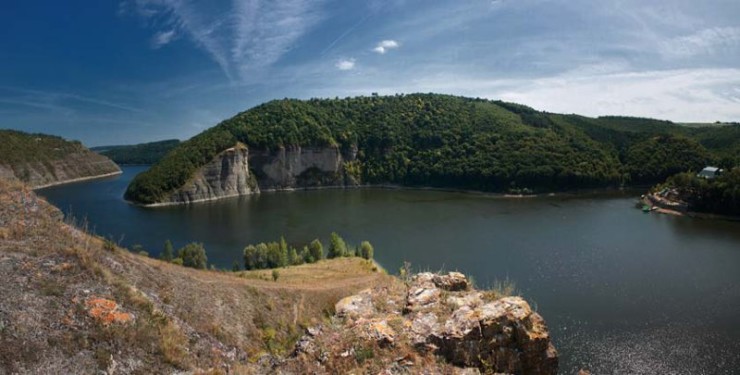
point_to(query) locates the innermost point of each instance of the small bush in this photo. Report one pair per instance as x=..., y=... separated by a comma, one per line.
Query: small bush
x=275, y=275
x=177, y=261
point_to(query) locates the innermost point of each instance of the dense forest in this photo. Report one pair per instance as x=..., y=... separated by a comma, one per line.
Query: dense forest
x=720, y=195
x=455, y=142
x=143, y=153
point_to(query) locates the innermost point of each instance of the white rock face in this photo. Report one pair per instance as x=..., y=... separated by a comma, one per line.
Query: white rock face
x=298, y=167
x=242, y=171
x=227, y=175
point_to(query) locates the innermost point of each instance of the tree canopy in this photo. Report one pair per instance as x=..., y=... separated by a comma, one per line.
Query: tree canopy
x=447, y=141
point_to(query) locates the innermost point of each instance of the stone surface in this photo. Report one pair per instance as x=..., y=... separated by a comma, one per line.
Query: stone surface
x=227, y=175
x=241, y=171
x=471, y=334
x=356, y=306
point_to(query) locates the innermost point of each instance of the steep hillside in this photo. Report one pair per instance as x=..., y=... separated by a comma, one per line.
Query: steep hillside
x=421, y=140
x=143, y=153
x=43, y=160
x=72, y=303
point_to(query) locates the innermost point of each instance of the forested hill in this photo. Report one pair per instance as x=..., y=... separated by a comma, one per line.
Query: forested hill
x=447, y=141
x=41, y=160
x=143, y=153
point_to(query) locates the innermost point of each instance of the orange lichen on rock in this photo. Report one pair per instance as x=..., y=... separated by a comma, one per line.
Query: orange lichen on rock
x=106, y=311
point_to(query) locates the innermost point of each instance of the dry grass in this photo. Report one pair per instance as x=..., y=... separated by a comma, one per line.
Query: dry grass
x=207, y=321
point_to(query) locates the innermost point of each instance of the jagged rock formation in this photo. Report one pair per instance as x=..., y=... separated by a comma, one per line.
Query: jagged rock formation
x=437, y=316
x=242, y=171
x=227, y=175
x=41, y=160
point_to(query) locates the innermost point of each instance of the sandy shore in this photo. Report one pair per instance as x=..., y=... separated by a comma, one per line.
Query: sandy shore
x=77, y=180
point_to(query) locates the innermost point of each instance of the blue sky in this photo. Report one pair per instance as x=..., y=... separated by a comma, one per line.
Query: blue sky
x=116, y=72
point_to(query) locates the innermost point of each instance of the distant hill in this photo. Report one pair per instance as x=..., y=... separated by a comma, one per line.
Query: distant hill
x=143, y=153
x=426, y=140
x=42, y=160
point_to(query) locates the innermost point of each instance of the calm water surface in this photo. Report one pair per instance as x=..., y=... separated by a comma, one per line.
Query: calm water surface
x=623, y=292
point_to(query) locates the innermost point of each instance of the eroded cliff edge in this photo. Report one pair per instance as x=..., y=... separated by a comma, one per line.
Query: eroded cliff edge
x=241, y=170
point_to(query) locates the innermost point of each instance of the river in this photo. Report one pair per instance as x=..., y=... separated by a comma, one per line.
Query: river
x=623, y=292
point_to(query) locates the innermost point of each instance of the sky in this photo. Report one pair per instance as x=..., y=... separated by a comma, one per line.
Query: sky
x=120, y=72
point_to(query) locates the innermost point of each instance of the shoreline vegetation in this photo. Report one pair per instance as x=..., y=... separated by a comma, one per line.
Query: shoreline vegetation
x=265, y=256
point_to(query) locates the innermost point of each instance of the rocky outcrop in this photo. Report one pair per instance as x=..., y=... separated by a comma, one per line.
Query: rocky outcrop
x=437, y=316
x=298, y=167
x=227, y=175
x=242, y=171
x=80, y=165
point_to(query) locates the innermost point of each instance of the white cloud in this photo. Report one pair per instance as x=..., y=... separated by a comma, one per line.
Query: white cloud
x=163, y=38
x=345, y=64
x=385, y=46
x=241, y=37
x=703, y=42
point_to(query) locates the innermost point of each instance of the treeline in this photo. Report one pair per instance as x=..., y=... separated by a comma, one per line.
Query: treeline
x=280, y=254
x=720, y=195
x=18, y=147
x=143, y=153
x=447, y=141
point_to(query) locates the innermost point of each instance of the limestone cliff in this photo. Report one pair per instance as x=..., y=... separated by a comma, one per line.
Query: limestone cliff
x=298, y=167
x=227, y=175
x=242, y=171
x=41, y=160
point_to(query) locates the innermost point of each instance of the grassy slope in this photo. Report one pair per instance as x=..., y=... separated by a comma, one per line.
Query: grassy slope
x=184, y=318
x=40, y=159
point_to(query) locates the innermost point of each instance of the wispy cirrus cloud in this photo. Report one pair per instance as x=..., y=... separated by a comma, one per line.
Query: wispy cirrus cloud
x=702, y=42
x=242, y=36
x=385, y=46
x=163, y=38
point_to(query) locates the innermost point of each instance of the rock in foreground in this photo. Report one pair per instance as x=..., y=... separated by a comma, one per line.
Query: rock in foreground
x=433, y=324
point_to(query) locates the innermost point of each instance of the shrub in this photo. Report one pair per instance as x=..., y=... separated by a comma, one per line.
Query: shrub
x=366, y=250
x=337, y=247
x=177, y=261
x=275, y=275
x=193, y=255
x=168, y=252
x=316, y=249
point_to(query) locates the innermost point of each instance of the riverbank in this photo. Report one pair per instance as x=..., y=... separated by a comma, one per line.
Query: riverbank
x=80, y=179
x=660, y=205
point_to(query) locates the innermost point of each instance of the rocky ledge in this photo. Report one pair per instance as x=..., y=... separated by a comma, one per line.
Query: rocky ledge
x=439, y=324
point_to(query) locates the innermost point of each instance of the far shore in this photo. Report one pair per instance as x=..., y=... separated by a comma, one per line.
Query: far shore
x=564, y=193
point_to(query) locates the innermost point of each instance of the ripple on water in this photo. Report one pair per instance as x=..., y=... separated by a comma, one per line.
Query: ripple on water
x=675, y=350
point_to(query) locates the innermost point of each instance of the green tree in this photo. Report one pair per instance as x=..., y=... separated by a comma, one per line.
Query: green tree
x=193, y=255
x=366, y=250
x=337, y=246
x=168, y=253
x=316, y=249
x=251, y=260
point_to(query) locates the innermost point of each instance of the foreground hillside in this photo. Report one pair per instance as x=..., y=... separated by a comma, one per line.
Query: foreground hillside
x=143, y=153
x=72, y=303
x=425, y=140
x=43, y=160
